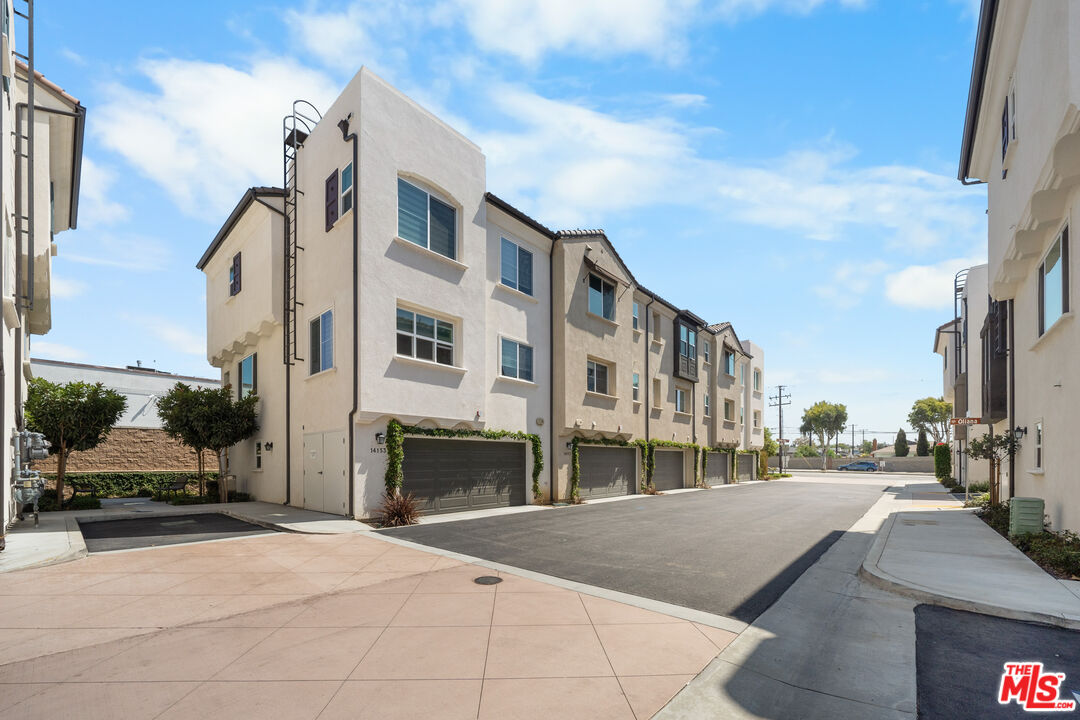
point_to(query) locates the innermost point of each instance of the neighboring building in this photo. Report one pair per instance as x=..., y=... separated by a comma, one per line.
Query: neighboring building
x=752, y=380
x=960, y=345
x=1022, y=138
x=137, y=442
x=41, y=140
x=427, y=300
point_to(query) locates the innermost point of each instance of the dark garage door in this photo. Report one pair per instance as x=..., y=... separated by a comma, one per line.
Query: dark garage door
x=606, y=471
x=449, y=475
x=718, y=469
x=744, y=463
x=667, y=469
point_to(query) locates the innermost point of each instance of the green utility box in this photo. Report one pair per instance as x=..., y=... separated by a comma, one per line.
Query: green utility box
x=1025, y=515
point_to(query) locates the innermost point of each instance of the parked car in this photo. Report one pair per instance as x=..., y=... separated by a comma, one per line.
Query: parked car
x=860, y=465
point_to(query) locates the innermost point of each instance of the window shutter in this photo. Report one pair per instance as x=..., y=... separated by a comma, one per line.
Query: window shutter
x=234, y=283
x=1065, y=270
x=331, y=200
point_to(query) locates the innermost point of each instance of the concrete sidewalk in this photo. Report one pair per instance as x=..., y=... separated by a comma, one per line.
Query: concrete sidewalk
x=58, y=539
x=956, y=560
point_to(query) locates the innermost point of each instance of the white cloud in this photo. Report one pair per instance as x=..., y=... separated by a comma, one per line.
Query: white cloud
x=739, y=9
x=139, y=253
x=685, y=100
x=55, y=351
x=926, y=287
x=849, y=282
x=206, y=131
x=95, y=205
x=60, y=287
x=175, y=336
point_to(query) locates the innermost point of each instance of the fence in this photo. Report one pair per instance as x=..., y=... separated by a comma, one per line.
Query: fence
x=911, y=463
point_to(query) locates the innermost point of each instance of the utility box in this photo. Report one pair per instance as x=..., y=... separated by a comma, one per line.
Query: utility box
x=1025, y=515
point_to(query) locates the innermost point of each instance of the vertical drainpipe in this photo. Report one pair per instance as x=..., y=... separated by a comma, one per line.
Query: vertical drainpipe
x=1012, y=400
x=350, y=137
x=551, y=368
x=648, y=383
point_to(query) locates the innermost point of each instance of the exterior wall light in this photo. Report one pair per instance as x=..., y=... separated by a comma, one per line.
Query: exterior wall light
x=380, y=438
x=1019, y=432
x=268, y=446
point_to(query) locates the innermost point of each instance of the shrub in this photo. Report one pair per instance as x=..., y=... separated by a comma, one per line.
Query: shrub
x=922, y=447
x=900, y=447
x=209, y=498
x=47, y=503
x=978, y=501
x=979, y=487
x=398, y=510
x=943, y=461
x=125, y=484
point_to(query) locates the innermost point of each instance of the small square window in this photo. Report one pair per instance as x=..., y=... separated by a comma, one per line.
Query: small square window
x=426, y=221
x=601, y=297
x=516, y=360
x=516, y=266
x=597, y=377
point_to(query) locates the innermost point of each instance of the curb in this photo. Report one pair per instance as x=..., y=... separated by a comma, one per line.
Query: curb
x=873, y=574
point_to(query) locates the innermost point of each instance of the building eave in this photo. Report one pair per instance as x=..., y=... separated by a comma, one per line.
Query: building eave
x=249, y=197
x=984, y=36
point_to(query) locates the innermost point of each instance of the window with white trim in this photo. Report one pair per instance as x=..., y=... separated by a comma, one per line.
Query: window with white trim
x=516, y=267
x=708, y=409
x=729, y=363
x=742, y=375
x=248, y=372
x=1054, y=282
x=757, y=379
x=321, y=334
x=680, y=400
x=1038, y=445
x=346, y=189
x=425, y=220
x=657, y=393
x=637, y=315
x=706, y=351
x=516, y=360
x=729, y=410
x=757, y=418
x=637, y=386
x=597, y=376
x=601, y=297
x=424, y=337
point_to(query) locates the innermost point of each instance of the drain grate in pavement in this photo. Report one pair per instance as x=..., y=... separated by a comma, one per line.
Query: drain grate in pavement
x=487, y=580
x=129, y=533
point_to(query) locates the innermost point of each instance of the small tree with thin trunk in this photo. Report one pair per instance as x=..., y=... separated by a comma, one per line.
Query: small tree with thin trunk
x=932, y=415
x=900, y=447
x=179, y=410
x=825, y=420
x=226, y=422
x=75, y=416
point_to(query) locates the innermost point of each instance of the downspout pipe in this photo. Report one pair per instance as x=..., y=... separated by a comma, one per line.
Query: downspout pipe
x=648, y=377
x=1012, y=400
x=551, y=368
x=350, y=137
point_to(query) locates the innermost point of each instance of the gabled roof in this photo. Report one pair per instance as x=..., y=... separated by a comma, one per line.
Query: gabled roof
x=987, y=17
x=718, y=328
x=250, y=196
x=943, y=329
x=520, y=216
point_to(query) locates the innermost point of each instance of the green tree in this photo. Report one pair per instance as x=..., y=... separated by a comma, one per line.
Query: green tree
x=227, y=422
x=825, y=421
x=901, y=446
x=922, y=447
x=866, y=448
x=806, y=451
x=942, y=461
x=769, y=447
x=180, y=413
x=74, y=416
x=932, y=415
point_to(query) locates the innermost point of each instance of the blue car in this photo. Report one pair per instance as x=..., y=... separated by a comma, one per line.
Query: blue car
x=860, y=465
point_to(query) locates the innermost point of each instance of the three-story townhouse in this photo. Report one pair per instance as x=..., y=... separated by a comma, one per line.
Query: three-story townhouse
x=1022, y=138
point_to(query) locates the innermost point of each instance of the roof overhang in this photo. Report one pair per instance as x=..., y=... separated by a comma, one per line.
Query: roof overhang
x=984, y=36
x=941, y=336
x=251, y=196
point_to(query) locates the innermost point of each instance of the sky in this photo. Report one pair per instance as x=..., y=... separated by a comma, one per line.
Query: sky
x=785, y=165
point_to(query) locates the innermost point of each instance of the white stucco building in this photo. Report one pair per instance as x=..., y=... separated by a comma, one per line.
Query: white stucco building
x=1022, y=138
x=41, y=139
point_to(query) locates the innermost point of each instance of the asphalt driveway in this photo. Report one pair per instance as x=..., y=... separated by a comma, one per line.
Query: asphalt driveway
x=729, y=551
x=129, y=533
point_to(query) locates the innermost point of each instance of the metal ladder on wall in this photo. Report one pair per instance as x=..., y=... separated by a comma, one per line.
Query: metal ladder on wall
x=296, y=126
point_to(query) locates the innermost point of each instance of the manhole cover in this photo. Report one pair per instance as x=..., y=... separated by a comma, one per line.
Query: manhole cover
x=487, y=580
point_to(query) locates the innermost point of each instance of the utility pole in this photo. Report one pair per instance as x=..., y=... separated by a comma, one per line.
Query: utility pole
x=779, y=400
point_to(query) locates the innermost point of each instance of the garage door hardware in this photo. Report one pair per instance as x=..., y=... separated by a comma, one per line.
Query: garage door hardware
x=488, y=580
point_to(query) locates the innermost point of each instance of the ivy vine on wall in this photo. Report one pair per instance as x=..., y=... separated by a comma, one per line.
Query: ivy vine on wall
x=395, y=449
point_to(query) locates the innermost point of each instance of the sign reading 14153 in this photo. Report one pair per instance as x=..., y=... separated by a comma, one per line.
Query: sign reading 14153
x=965, y=421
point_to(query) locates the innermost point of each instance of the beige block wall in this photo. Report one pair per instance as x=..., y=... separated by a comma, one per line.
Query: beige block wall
x=132, y=450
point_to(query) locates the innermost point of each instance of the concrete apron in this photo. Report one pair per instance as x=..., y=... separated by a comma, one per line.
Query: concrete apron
x=832, y=647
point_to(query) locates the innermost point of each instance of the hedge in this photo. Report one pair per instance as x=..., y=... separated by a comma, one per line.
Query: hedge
x=126, y=484
x=942, y=461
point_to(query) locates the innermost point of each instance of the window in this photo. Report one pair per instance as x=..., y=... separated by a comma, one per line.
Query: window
x=729, y=410
x=1038, y=445
x=708, y=408
x=424, y=338
x=657, y=393
x=426, y=221
x=517, y=263
x=680, y=400
x=757, y=379
x=729, y=363
x=258, y=455
x=517, y=360
x=637, y=386
x=742, y=375
x=742, y=415
x=1008, y=124
x=322, y=343
x=248, y=372
x=1054, y=282
x=705, y=348
x=757, y=418
x=601, y=297
x=234, y=276
x=637, y=314
x=656, y=327
x=687, y=342
x=597, y=377
x=346, y=189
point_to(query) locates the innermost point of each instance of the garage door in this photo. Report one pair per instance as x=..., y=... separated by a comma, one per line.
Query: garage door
x=744, y=464
x=667, y=469
x=718, y=469
x=606, y=471
x=448, y=475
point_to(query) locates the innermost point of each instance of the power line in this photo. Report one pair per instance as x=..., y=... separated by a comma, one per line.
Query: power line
x=779, y=400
